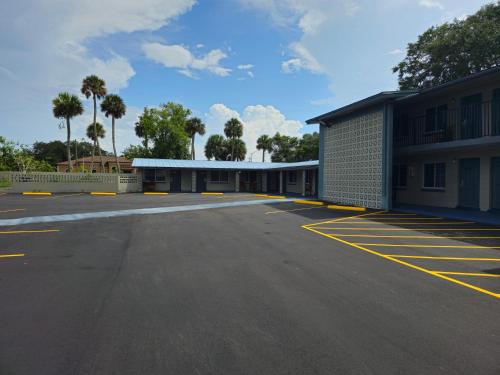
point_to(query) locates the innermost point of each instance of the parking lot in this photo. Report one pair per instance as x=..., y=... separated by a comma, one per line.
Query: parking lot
x=241, y=284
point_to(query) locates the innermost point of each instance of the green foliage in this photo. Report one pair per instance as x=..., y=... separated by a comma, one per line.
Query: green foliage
x=54, y=152
x=216, y=148
x=194, y=126
x=233, y=128
x=164, y=127
x=452, y=50
x=14, y=157
x=293, y=149
x=136, y=151
x=237, y=147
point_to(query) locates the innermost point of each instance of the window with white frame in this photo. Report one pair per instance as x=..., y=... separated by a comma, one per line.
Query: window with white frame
x=435, y=176
x=219, y=177
x=400, y=176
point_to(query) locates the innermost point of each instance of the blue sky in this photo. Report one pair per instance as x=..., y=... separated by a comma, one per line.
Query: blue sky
x=272, y=63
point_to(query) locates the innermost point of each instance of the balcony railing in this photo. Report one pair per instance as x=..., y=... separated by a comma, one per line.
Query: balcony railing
x=443, y=125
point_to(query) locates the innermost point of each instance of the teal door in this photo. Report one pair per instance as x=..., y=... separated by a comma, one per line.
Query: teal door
x=468, y=180
x=495, y=183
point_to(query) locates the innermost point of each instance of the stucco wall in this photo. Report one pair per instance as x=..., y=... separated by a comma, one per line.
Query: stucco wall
x=353, y=160
x=415, y=194
x=186, y=180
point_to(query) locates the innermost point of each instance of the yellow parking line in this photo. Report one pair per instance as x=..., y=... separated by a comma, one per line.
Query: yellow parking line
x=413, y=229
x=292, y=210
x=30, y=231
x=11, y=255
x=275, y=196
x=154, y=193
x=467, y=274
x=13, y=210
x=392, y=214
x=411, y=223
x=212, y=193
x=383, y=219
x=102, y=193
x=442, y=258
x=61, y=196
x=444, y=277
x=428, y=237
x=36, y=193
x=427, y=246
x=261, y=195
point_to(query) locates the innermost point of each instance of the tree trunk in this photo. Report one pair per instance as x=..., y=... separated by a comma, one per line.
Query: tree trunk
x=68, y=148
x=95, y=134
x=232, y=151
x=263, y=155
x=192, y=148
x=114, y=145
x=93, y=154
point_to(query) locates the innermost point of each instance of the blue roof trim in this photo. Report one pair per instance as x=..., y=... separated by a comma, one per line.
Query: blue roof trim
x=213, y=164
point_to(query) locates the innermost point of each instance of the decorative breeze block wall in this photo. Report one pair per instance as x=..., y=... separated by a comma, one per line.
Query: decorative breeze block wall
x=353, y=160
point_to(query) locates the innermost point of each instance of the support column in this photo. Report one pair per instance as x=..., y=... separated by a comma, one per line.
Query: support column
x=237, y=181
x=193, y=181
x=264, y=182
x=304, y=182
x=281, y=182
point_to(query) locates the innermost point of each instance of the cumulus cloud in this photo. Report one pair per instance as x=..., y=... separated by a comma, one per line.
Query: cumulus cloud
x=431, y=4
x=48, y=57
x=179, y=57
x=245, y=66
x=257, y=120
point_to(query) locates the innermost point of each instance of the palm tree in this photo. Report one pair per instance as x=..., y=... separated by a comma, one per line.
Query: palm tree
x=66, y=106
x=113, y=106
x=194, y=126
x=96, y=87
x=233, y=129
x=264, y=143
x=238, y=148
x=101, y=132
x=215, y=147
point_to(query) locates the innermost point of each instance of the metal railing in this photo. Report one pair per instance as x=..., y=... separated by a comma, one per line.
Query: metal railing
x=444, y=125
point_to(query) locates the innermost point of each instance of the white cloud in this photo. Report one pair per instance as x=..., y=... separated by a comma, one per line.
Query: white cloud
x=257, y=120
x=396, y=51
x=46, y=43
x=199, y=45
x=330, y=101
x=431, y=4
x=177, y=56
x=303, y=60
x=245, y=66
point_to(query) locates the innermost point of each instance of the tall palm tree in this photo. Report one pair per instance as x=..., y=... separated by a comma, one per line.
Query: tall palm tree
x=264, y=143
x=95, y=87
x=66, y=106
x=113, y=106
x=233, y=129
x=215, y=147
x=238, y=148
x=91, y=131
x=194, y=126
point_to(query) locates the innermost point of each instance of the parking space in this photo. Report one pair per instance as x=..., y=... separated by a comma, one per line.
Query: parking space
x=462, y=252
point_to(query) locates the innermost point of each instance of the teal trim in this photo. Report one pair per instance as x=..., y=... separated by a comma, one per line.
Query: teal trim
x=387, y=156
x=322, y=130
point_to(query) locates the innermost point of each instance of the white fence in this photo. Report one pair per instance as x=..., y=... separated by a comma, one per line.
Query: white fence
x=58, y=182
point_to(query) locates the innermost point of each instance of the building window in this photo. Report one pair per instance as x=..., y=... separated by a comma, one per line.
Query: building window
x=149, y=175
x=471, y=116
x=160, y=175
x=400, y=176
x=435, y=176
x=292, y=177
x=436, y=118
x=219, y=177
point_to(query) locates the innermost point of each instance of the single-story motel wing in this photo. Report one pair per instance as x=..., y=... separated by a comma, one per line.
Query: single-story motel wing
x=438, y=146
x=171, y=175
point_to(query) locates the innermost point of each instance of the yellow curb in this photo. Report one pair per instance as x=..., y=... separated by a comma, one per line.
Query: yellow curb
x=346, y=208
x=211, y=193
x=155, y=193
x=314, y=203
x=97, y=193
x=275, y=197
x=261, y=195
x=36, y=193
